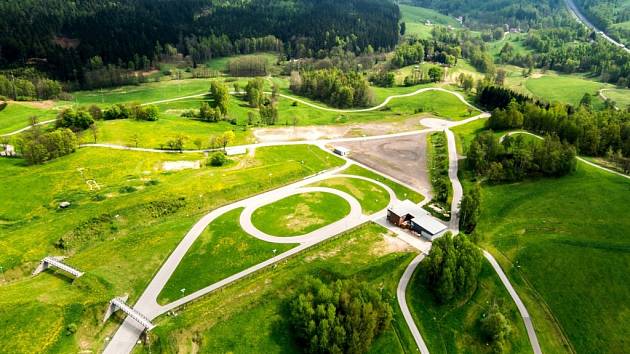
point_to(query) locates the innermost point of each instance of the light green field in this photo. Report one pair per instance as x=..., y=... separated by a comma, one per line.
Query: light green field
x=569, y=265
x=562, y=88
x=156, y=134
x=119, y=241
x=221, y=64
x=250, y=316
x=222, y=250
x=415, y=19
x=18, y=115
x=402, y=192
x=620, y=96
x=372, y=197
x=300, y=214
x=515, y=39
x=454, y=328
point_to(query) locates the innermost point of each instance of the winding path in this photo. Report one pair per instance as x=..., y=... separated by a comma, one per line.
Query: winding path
x=128, y=333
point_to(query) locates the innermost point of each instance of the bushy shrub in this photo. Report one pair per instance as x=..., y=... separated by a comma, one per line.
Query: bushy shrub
x=127, y=189
x=218, y=159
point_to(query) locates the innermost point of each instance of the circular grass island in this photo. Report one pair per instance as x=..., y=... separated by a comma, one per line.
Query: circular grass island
x=300, y=214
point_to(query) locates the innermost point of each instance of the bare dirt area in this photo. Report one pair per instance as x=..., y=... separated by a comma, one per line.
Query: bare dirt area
x=48, y=104
x=404, y=158
x=310, y=133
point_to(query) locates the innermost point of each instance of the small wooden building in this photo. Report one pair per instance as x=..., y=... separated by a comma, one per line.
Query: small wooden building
x=411, y=216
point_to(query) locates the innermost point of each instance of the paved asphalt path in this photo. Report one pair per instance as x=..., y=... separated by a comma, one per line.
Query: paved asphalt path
x=458, y=191
x=531, y=333
x=401, y=293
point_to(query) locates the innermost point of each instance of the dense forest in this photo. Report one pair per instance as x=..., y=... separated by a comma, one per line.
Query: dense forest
x=63, y=37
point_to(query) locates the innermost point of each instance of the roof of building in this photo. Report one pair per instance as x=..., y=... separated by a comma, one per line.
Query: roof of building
x=429, y=223
x=342, y=149
x=237, y=150
x=407, y=207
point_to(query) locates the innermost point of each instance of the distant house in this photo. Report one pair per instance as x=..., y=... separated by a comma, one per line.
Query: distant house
x=341, y=151
x=237, y=150
x=7, y=150
x=411, y=216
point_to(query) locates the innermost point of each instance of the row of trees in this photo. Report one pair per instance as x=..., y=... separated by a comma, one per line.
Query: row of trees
x=22, y=89
x=334, y=87
x=129, y=111
x=256, y=65
x=514, y=159
x=342, y=317
x=440, y=181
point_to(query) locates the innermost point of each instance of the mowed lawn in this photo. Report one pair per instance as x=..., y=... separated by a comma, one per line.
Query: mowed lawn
x=250, y=316
x=620, y=96
x=565, y=244
x=18, y=115
x=222, y=250
x=373, y=198
x=455, y=328
x=564, y=88
x=300, y=214
x=119, y=235
x=415, y=20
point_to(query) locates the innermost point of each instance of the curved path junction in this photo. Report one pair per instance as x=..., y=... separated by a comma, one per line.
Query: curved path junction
x=129, y=332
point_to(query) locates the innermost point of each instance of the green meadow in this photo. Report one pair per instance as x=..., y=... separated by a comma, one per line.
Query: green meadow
x=563, y=243
x=119, y=235
x=300, y=214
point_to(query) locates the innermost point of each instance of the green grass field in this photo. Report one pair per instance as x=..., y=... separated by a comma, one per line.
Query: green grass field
x=156, y=134
x=372, y=197
x=250, y=315
x=620, y=96
x=18, y=115
x=515, y=40
x=300, y=214
x=222, y=250
x=454, y=328
x=416, y=18
x=564, y=245
x=402, y=192
x=562, y=88
x=119, y=238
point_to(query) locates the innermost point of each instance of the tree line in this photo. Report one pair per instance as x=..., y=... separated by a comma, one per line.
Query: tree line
x=514, y=159
x=593, y=133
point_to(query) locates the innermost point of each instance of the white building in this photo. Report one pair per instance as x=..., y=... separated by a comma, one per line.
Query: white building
x=341, y=151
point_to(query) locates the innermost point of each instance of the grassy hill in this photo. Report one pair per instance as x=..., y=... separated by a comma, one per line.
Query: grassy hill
x=564, y=243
